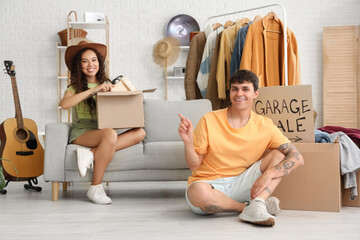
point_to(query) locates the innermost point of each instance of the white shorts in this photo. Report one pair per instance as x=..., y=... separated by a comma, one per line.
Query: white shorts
x=237, y=188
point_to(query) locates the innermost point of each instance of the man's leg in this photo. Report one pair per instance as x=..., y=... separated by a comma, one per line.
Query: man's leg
x=256, y=212
x=201, y=194
x=270, y=160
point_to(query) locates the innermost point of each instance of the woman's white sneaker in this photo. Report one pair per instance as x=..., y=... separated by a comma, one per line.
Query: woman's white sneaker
x=85, y=160
x=96, y=193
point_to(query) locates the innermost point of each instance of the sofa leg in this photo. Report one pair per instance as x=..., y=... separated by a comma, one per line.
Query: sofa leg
x=55, y=190
x=65, y=185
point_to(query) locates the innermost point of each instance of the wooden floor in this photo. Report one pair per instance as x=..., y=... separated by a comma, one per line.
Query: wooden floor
x=151, y=210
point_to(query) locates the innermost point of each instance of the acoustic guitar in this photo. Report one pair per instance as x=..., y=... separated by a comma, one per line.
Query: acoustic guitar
x=19, y=142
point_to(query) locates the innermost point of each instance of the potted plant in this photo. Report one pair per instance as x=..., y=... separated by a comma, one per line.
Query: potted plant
x=2, y=177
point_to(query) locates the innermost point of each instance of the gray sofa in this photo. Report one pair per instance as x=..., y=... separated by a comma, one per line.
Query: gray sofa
x=159, y=157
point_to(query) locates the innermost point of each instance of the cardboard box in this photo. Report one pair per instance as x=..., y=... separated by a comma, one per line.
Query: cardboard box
x=316, y=185
x=120, y=109
x=290, y=108
x=346, y=194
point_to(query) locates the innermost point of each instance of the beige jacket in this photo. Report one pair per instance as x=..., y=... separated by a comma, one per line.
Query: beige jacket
x=263, y=53
x=212, y=88
x=227, y=43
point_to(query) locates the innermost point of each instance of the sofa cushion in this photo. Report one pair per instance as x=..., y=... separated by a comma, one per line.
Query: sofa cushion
x=130, y=158
x=162, y=121
x=164, y=155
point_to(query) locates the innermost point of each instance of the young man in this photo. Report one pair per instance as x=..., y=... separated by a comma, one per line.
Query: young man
x=225, y=154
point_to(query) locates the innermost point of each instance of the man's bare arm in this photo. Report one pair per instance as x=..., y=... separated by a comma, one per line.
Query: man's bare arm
x=292, y=160
x=186, y=132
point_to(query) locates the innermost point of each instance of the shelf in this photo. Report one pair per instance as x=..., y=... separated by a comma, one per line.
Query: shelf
x=62, y=77
x=62, y=47
x=176, y=77
x=88, y=25
x=185, y=47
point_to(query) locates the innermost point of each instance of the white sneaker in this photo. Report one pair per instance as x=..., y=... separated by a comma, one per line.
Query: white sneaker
x=85, y=160
x=97, y=194
x=256, y=213
x=272, y=205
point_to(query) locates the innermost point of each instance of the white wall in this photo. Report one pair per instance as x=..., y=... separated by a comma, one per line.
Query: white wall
x=28, y=33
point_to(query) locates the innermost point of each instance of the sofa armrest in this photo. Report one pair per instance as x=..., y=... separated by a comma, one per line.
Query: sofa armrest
x=56, y=140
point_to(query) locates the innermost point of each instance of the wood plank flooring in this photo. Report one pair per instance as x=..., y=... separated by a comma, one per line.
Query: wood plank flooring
x=151, y=210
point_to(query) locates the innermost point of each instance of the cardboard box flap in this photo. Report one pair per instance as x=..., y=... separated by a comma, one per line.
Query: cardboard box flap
x=149, y=90
x=119, y=93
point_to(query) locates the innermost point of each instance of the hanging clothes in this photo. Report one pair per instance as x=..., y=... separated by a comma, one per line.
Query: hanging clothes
x=204, y=71
x=263, y=53
x=227, y=43
x=212, y=89
x=238, y=49
x=192, y=66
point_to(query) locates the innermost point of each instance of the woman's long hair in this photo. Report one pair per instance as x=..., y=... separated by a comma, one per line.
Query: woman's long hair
x=78, y=79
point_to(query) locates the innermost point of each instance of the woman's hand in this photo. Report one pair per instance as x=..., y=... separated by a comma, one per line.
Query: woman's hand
x=104, y=87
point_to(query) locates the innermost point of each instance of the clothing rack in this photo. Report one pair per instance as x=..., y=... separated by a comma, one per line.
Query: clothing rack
x=284, y=30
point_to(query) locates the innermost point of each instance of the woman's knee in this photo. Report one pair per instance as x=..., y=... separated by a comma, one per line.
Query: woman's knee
x=139, y=134
x=109, y=135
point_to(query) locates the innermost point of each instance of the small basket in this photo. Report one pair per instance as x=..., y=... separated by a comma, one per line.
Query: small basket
x=78, y=33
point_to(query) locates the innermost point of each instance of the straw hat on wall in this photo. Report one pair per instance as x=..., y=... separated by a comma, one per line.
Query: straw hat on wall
x=165, y=53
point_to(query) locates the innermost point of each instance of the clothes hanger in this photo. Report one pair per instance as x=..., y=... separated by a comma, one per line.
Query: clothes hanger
x=243, y=21
x=216, y=26
x=228, y=23
x=257, y=18
x=272, y=15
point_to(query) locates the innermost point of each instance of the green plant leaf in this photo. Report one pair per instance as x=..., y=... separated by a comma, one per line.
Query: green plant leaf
x=2, y=177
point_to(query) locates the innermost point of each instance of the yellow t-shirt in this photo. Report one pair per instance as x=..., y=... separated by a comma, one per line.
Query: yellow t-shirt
x=227, y=151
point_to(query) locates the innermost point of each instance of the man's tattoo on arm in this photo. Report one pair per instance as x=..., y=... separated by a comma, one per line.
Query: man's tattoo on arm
x=289, y=150
x=216, y=209
x=288, y=164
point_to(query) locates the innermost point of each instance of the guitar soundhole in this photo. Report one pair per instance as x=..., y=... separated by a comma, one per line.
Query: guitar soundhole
x=21, y=134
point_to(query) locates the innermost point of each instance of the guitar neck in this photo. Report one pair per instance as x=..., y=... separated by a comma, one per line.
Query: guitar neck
x=18, y=114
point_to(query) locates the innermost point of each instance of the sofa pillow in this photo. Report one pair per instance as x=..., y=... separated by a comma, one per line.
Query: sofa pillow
x=162, y=120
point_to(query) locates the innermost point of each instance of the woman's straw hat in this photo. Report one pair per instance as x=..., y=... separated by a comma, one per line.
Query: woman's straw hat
x=71, y=51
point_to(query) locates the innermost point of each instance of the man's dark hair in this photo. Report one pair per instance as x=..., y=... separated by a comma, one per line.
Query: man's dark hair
x=242, y=76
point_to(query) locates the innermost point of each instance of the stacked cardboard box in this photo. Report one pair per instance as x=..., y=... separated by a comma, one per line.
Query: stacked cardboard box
x=315, y=185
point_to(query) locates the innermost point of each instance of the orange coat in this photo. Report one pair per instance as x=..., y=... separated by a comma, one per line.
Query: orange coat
x=263, y=53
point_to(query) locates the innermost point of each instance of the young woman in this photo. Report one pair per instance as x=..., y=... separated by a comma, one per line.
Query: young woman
x=86, y=64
